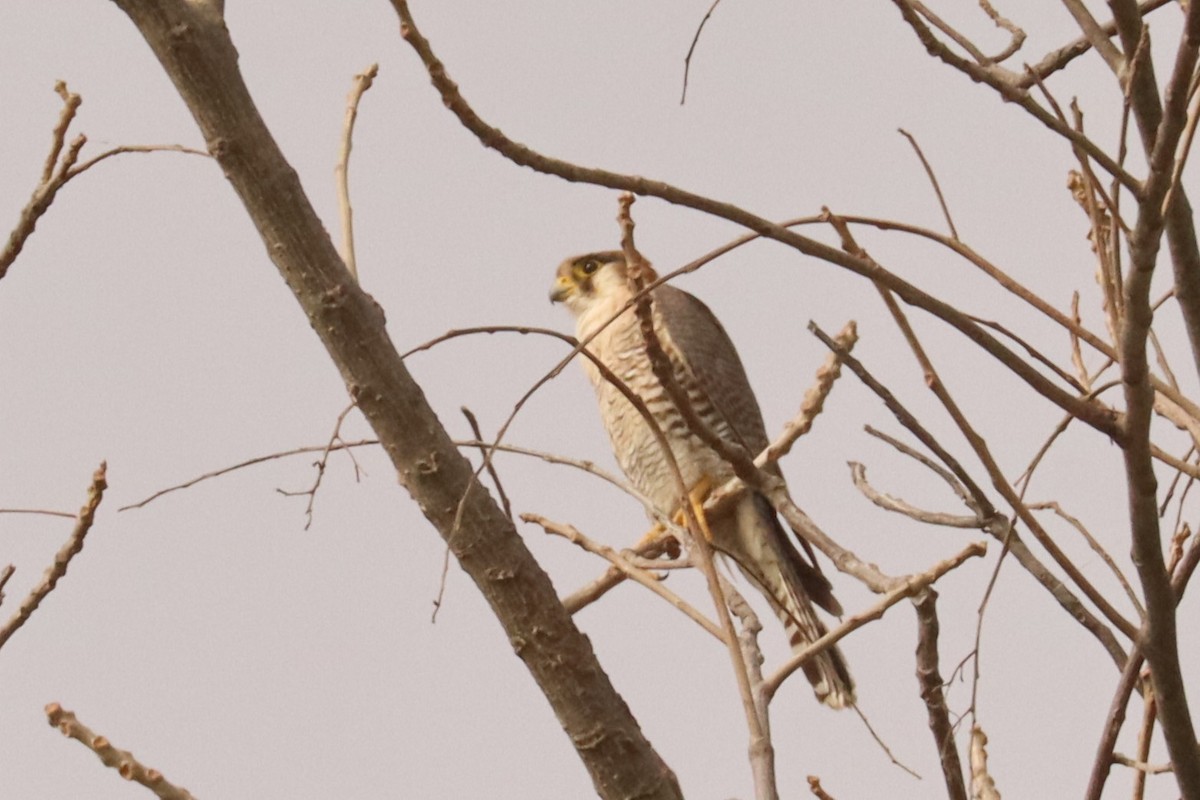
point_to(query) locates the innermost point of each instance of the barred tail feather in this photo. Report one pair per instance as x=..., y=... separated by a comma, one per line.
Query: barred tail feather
x=758, y=545
x=827, y=671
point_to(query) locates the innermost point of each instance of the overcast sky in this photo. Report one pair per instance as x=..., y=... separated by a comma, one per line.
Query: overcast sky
x=245, y=656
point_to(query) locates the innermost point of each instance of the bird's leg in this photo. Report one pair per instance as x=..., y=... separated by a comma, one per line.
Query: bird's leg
x=696, y=496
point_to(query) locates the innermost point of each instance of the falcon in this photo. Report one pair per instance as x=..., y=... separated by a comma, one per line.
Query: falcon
x=595, y=288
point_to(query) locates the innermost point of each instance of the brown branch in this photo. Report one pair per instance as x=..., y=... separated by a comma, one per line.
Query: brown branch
x=37, y=511
x=814, y=399
x=5, y=574
x=937, y=188
x=982, y=452
x=929, y=678
x=1097, y=36
x=54, y=178
x=1104, y=759
x=491, y=467
x=1002, y=532
x=250, y=462
x=197, y=54
x=762, y=751
x=687, y=60
x=341, y=173
x=814, y=786
x=858, y=473
x=628, y=568
x=1096, y=547
x=648, y=548
x=321, y=464
x=999, y=482
x=943, y=473
x=1160, y=132
x=62, y=559
x=123, y=761
x=1017, y=36
x=1007, y=84
x=1059, y=58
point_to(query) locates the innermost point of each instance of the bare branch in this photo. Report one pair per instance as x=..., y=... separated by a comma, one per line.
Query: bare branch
x=362, y=82
x=858, y=474
x=937, y=189
x=687, y=60
x=320, y=464
x=5, y=574
x=814, y=399
x=1059, y=58
x=123, y=761
x=62, y=559
x=53, y=179
x=37, y=511
x=650, y=547
x=1097, y=548
x=1097, y=37
x=631, y=571
x=1008, y=85
x=929, y=678
x=491, y=468
x=71, y=103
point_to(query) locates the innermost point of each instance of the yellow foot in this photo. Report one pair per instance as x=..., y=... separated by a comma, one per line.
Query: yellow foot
x=696, y=497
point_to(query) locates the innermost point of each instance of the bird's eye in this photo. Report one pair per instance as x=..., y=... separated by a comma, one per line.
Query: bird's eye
x=590, y=266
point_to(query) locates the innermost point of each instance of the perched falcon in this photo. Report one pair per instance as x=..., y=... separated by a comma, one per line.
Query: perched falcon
x=706, y=365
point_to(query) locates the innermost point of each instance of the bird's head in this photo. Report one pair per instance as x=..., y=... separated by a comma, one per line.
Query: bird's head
x=582, y=281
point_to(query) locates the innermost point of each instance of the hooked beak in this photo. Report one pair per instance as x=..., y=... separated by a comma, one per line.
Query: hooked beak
x=562, y=289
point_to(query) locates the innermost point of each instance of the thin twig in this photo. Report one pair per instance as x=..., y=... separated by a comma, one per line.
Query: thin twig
x=858, y=473
x=814, y=399
x=5, y=574
x=927, y=462
x=491, y=467
x=123, y=761
x=1097, y=548
x=62, y=559
x=56, y=172
x=937, y=189
x=634, y=573
x=647, y=548
x=362, y=82
x=687, y=61
x=40, y=511
x=887, y=751
x=1002, y=531
x=321, y=463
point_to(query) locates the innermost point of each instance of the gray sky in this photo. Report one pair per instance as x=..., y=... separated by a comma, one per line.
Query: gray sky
x=244, y=656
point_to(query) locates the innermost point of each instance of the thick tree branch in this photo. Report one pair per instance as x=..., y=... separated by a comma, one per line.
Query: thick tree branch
x=198, y=55
x=1161, y=130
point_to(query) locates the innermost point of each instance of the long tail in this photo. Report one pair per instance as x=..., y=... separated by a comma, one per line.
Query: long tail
x=754, y=539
